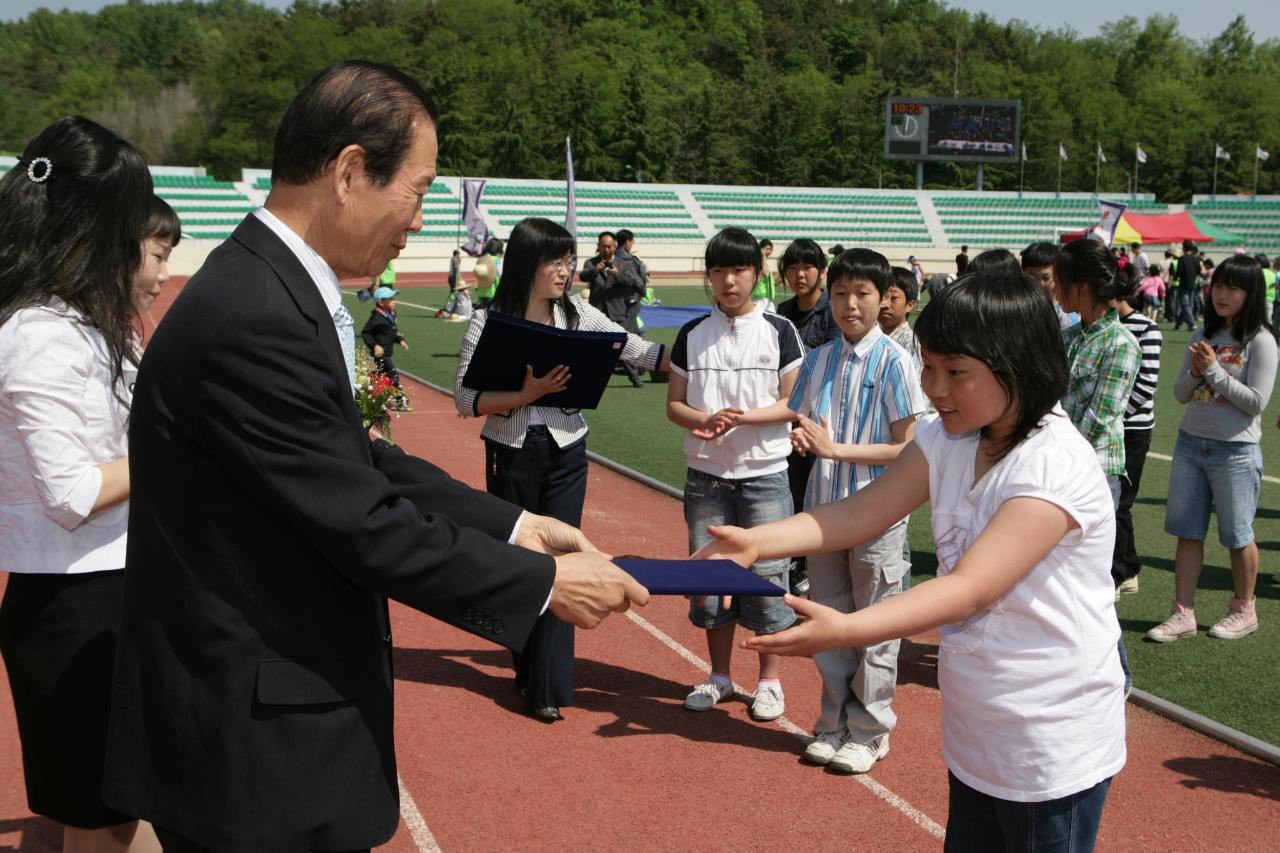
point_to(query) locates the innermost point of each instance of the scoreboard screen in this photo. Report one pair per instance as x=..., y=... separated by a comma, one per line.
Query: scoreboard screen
x=973, y=131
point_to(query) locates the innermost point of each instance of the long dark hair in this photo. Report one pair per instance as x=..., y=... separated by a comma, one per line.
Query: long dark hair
x=1088, y=262
x=1245, y=273
x=76, y=236
x=533, y=241
x=1008, y=324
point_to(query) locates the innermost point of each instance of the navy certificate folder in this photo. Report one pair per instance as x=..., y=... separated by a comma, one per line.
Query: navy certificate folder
x=697, y=577
x=508, y=343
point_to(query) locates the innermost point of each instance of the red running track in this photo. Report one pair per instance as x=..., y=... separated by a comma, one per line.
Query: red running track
x=630, y=769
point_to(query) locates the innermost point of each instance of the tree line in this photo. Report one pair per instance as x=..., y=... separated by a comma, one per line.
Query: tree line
x=769, y=92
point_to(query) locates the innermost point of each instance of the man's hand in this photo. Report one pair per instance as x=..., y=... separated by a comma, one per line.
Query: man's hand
x=548, y=535
x=588, y=588
x=378, y=351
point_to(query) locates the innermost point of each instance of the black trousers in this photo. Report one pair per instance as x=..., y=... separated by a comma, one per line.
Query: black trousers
x=1124, y=564
x=171, y=843
x=548, y=480
x=388, y=366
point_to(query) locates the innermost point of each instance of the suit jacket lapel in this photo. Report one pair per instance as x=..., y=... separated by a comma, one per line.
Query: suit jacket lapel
x=256, y=237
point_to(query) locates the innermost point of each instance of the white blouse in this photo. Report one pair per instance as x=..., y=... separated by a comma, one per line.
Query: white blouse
x=59, y=418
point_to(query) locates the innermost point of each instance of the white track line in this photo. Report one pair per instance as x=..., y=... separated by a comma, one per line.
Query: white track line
x=912, y=813
x=1164, y=458
x=418, y=828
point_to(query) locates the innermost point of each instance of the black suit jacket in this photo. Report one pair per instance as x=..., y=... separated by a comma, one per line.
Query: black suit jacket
x=380, y=331
x=252, y=706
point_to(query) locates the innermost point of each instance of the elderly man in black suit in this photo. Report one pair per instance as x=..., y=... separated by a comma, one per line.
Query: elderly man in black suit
x=253, y=689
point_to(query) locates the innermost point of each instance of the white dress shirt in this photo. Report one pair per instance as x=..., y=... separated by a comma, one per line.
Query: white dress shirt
x=60, y=416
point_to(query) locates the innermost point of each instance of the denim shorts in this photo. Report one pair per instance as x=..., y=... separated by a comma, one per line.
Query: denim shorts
x=746, y=503
x=1210, y=475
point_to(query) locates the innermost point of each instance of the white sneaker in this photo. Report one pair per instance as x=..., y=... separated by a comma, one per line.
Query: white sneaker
x=824, y=747
x=1128, y=586
x=769, y=704
x=707, y=694
x=855, y=757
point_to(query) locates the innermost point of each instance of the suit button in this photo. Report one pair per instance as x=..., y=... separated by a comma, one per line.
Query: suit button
x=498, y=627
x=387, y=639
x=487, y=624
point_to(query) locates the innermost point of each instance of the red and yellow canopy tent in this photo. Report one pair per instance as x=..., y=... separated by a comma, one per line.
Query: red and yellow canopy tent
x=1154, y=229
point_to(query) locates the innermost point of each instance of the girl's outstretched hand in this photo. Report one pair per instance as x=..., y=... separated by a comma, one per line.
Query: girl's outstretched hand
x=730, y=543
x=822, y=629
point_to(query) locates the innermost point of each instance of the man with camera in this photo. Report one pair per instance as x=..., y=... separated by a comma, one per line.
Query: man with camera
x=614, y=286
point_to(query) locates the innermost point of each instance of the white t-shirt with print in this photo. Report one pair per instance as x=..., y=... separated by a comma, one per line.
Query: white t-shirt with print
x=1032, y=690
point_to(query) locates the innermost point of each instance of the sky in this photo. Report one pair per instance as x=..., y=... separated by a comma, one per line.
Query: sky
x=1199, y=19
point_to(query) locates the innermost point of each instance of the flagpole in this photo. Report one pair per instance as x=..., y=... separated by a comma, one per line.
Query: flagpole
x=1059, y=168
x=1097, y=169
x=1134, y=194
x=1022, y=171
x=1214, y=194
x=1256, y=146
x=462, y=211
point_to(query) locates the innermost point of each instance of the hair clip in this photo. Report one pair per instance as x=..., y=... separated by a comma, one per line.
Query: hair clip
x=39, y=169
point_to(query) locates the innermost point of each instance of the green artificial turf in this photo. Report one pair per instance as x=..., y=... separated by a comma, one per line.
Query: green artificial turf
x=1230, y=681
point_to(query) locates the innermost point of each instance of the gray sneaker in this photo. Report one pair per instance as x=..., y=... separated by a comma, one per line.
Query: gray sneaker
x=769, y=704
x=824, y=747
x=707, y=694
x=856, y=757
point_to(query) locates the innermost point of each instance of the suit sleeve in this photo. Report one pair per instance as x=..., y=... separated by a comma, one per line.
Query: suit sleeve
x=275, y=419
x=369, y=330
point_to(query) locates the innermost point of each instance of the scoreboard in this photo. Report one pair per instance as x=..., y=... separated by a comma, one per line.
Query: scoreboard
x=973, y=131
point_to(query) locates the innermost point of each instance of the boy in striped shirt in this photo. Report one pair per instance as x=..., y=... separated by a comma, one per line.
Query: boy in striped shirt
x=857, y=399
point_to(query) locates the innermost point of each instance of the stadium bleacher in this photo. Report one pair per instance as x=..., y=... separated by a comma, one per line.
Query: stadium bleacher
x=1255, y=221
x=1006, y=222
x=653, y=214
x=842, y=217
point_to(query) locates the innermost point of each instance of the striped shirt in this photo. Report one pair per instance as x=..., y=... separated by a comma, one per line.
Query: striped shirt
x=1140, y=413
x=861, y=389
x=565, y=425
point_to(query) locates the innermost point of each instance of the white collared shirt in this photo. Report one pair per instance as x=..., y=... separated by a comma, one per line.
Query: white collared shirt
x=322, y=275
x=60, y=417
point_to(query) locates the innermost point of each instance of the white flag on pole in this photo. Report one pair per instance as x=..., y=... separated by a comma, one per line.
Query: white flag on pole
x=1140, y=154
x=1262, y=155
x=1220, y=152
x=1024, y=152
x=472, y=219
x=1062, y=151
x=1101, y=157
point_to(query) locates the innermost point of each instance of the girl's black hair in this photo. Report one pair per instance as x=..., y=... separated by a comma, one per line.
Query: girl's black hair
x=803, y=251
x=1039, y=254
x=163, y=223
x=1126, y=282
x=1001, y=261
x=861, y=263
x=1087, y=262
x=1245, y=273
x=534, y=241
x=733, y=247
x=766, y=243
x=1008, y=324
x=1155, y=269
x=76, y=236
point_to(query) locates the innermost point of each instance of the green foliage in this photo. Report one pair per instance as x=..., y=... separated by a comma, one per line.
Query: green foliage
x=700, y=91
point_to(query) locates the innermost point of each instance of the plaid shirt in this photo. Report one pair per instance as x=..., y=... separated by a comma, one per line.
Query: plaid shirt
x=1103, y=361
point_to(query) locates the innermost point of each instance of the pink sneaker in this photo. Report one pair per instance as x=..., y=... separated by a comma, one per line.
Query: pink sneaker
x=1241, y=619
x=1181, y=623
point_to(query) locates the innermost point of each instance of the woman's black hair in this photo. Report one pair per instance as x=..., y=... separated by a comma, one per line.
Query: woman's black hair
x=1245, y=273
x=861, y=263
x=766, y=243
x=733, y=247
x=163, y=223
x=352, y=102
x=905, y=280
x=1126, y=282
x=1001, y=261
x=1087, y=262
x=1008, y=324
x=803, y=251
x=77, y=235
x=533, y=242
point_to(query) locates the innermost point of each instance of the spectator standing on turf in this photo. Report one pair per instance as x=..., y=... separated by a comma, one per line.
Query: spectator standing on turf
x=1269, y=276
x=917, y=270
x=936, y=282
x=724, y=365
x=455, y=268
x=803, y=267
x=962, y=261
x=1139, y=420
x=615, y=284
x=1225, y=381
x=381, y=333
x=766, y=289
x=1140, y=261
x=1188, y=277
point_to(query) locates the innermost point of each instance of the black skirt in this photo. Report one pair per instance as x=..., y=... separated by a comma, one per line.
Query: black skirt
x=58, y=638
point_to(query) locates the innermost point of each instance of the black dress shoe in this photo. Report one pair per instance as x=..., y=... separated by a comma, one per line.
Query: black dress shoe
x=548, y=714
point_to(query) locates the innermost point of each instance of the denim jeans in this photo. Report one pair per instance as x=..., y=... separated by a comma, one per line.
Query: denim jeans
x=1208, y=475
x=745, y=503
x=978, y=822
x=1185, y=309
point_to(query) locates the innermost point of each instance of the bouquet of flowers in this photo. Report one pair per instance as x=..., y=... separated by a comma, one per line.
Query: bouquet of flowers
x=376, y=397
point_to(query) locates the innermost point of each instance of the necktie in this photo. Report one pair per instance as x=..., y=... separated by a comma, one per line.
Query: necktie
x=346, y=326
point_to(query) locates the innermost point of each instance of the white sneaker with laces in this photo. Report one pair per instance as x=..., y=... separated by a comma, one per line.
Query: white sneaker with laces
x=855, y=757
x=824, y=747
x=769, y=704
x=704, y=696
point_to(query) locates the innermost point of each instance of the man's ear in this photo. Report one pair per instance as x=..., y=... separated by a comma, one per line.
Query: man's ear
x=348, y=169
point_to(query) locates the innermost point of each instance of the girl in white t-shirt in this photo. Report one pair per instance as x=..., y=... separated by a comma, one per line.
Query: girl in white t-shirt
x=1032, y=692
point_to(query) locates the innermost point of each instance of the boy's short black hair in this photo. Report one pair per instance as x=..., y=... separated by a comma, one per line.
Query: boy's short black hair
x=766, y=243
x=1010, y=326
x=803, y=251
x=732, y=247
x=905, y=280
x=861, y=263
x=624, y=236
x=1039, y=254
